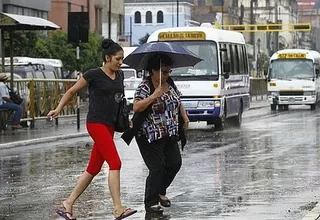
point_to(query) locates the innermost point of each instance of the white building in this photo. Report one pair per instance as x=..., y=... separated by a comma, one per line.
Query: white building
x=143, y=17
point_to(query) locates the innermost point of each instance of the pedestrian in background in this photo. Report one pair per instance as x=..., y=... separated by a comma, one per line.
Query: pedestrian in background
x=158, y=137
x=105, y=92
x=7, y=103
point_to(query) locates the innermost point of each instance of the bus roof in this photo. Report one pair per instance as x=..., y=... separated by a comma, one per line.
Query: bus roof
x=27, y=60
x=309, y=54
x=211, y=33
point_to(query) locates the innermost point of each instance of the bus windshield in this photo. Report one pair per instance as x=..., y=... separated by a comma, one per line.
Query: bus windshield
x=204, y=70
x=291, y=68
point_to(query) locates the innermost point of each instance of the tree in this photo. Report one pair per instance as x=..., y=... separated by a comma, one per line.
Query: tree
x=23, y=42
x=144, y=39
x=57, y=47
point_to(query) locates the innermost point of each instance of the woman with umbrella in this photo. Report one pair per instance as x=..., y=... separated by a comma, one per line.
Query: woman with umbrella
x=157, y=108
x=158, y=100
x=157, y=140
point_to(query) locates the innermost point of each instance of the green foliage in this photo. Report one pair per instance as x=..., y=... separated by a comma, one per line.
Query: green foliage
x=56, y=46
x=22, y=44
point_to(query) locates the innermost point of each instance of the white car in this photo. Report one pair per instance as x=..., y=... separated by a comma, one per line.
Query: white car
x=131, y=82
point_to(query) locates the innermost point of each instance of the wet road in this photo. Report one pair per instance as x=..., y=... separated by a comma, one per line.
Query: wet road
x=268, y=169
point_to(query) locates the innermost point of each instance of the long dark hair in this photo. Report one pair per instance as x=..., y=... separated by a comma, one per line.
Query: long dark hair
x=109, y=48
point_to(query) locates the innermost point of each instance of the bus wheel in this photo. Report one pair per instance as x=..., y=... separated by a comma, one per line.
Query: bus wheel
x=273, y=107
x=219, y=124
x=237, y=120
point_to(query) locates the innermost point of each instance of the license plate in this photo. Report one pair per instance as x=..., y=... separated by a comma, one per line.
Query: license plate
x=190, y=104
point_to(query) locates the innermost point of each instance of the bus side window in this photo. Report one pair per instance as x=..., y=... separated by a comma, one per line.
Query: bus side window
x=230, y=52
x=241, y=59
x=246, y=66
x=235, y=54
x=224, y=54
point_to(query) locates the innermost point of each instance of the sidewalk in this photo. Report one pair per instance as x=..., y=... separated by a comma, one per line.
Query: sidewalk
x=46, y=131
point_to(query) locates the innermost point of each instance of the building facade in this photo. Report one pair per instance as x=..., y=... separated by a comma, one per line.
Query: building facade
x=309, y=12
x=142, y=17
x=98, y=15
x=60, y=9
x=34, y=8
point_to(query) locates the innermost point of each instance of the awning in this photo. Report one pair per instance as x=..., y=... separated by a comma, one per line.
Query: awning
x=22, y=22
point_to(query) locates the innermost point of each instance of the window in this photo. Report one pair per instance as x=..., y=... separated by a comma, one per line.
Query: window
x=201, y=2
x=235, y=59
x=241, y=59
x=148, y=17
x=137, y=17
x=159, y=17
x=218, y=2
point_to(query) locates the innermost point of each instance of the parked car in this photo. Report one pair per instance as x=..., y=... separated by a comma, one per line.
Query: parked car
x=131, y=82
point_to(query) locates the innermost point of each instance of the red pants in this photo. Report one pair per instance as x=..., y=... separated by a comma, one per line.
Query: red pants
x=104, y=148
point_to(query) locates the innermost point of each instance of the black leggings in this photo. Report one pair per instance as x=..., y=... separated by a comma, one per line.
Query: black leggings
x=163, y=160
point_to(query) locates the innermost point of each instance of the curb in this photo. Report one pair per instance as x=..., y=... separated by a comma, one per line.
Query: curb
x=258, y=107
x=314, y=214
x=62, y=137
x=42, y=140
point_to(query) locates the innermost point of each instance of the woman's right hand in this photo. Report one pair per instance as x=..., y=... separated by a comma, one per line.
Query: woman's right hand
x=53, y=114
x=157, y=92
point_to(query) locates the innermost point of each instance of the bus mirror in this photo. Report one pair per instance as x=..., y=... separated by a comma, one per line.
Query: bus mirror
x=226, y=75
x=226, y=67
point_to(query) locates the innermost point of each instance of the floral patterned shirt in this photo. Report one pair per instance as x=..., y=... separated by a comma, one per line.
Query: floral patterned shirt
x=163, y=119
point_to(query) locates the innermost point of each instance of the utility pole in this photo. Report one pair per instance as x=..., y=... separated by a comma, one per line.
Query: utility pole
x=177, y=13
x=252, y=21
x=276, y=34
x=109, y=19
x=222, y=4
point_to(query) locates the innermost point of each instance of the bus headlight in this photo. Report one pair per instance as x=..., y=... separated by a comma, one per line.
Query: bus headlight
x=205, y=104
x=217, y=104
x=309, y=93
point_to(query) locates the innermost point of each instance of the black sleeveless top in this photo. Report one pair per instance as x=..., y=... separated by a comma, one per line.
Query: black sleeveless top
x=105, y=95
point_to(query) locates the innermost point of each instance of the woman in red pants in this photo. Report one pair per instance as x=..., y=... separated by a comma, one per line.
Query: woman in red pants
x=105, y=92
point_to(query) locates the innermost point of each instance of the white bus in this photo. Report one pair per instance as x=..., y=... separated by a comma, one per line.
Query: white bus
x=217, y=88
x=293, y=78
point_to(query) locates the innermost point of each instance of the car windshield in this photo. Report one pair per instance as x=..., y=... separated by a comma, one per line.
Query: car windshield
x=291, y=68
x=208, y=68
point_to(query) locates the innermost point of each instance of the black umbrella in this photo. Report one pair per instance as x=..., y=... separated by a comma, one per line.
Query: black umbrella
x=180, y=56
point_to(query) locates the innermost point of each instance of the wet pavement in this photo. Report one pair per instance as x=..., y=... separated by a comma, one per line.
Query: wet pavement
x=267, y=169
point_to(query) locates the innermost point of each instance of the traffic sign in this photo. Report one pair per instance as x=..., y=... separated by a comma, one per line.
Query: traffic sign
x=266, y=27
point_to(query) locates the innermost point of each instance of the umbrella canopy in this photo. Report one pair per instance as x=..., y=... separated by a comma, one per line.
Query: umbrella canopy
x=180, y=56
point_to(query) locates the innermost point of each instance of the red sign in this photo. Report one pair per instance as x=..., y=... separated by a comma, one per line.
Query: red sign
x=308, y=4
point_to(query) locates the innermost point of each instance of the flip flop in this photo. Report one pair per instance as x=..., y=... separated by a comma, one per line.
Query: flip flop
x=64, y=215
x=126, y=213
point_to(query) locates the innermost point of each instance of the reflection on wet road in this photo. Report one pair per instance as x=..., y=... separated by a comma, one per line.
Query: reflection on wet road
x=268, y=169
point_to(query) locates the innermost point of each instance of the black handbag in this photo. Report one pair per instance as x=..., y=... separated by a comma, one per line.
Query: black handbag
x=122, y=121
x=14, y=96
